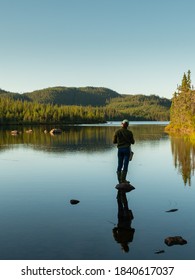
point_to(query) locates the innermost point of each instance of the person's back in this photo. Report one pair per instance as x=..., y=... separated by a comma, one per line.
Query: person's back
x=123, y=138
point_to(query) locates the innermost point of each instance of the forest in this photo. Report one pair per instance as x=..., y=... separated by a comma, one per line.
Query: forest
x=182, y=111
x=79, y=105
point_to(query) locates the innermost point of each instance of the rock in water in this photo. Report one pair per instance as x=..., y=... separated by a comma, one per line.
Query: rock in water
x=175, y=240
x=55, y=131
x=74, y=201
x=126, y=187
x=14, y=132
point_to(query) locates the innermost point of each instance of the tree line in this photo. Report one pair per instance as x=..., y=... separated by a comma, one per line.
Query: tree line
x=182, y=112
x=25, y=112
x=80, y=105
x=141, y=107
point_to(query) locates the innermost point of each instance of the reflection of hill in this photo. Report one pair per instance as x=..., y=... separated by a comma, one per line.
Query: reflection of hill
x=75, y=138
x=149, y=132
x=184, y=158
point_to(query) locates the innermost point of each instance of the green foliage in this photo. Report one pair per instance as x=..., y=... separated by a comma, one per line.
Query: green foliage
x=80, y=105
x=15, y=96
x=141, y=107
x=24, y=112
x=189, y=80
x=84, y=96
x=185, y=83
x=182, y=113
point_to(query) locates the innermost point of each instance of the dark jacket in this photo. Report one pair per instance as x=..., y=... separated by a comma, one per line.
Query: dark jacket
x=123, y=138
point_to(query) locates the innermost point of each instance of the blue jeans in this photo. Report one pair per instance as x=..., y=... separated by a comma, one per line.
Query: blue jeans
x=123, y=159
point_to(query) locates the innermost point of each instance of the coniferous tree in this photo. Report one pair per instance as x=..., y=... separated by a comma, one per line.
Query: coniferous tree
x=189, y=79
x=183, y=109
x=184, y=84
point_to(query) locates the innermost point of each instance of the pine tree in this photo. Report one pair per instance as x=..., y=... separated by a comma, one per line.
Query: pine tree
x=189, y=79
x=186, y=82
x=183, y=108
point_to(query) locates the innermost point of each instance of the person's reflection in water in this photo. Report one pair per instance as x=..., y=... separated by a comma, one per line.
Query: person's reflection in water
x=123, y=233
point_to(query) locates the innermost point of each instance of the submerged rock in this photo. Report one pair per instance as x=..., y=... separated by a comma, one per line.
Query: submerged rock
x=55, y=131
x=159, y=252
x=172, y=210
x=29, y=131
x=175, y=240
x=74, y=201
x=14, y=132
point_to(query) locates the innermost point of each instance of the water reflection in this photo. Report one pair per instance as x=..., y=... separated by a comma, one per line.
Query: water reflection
x=97, y=138
x=123, y=233
x=73, y=138
x=184, y=158
x=39, y=222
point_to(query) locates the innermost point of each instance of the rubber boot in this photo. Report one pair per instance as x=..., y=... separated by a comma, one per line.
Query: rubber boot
x=119, y=177
x=123, y=177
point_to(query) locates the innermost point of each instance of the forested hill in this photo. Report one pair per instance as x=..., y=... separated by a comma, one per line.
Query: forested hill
x=142, y=107
x=111, y=105
x=4, y=93
x=88, y=96
x=84, y=96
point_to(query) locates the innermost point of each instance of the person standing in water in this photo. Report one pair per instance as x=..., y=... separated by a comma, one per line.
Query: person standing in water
x=123, y=138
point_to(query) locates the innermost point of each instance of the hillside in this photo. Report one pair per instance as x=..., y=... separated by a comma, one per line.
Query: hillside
x=142, y=107
x=83, y=96
x=110, y=104
x=13, y=95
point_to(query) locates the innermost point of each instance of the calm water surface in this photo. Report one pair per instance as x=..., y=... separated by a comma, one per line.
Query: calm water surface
x=41, y=173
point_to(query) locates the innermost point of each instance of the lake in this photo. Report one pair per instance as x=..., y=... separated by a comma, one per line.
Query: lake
x=41, y=173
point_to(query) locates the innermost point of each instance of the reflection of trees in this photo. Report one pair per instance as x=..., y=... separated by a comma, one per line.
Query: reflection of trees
x=150, y=132
x=74, y=138
x=184, y=158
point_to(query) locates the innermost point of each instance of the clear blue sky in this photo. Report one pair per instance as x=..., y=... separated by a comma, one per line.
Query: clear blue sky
x=130, y=46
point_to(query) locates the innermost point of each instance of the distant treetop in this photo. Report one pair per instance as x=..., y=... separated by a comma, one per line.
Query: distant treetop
x=186, y=82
